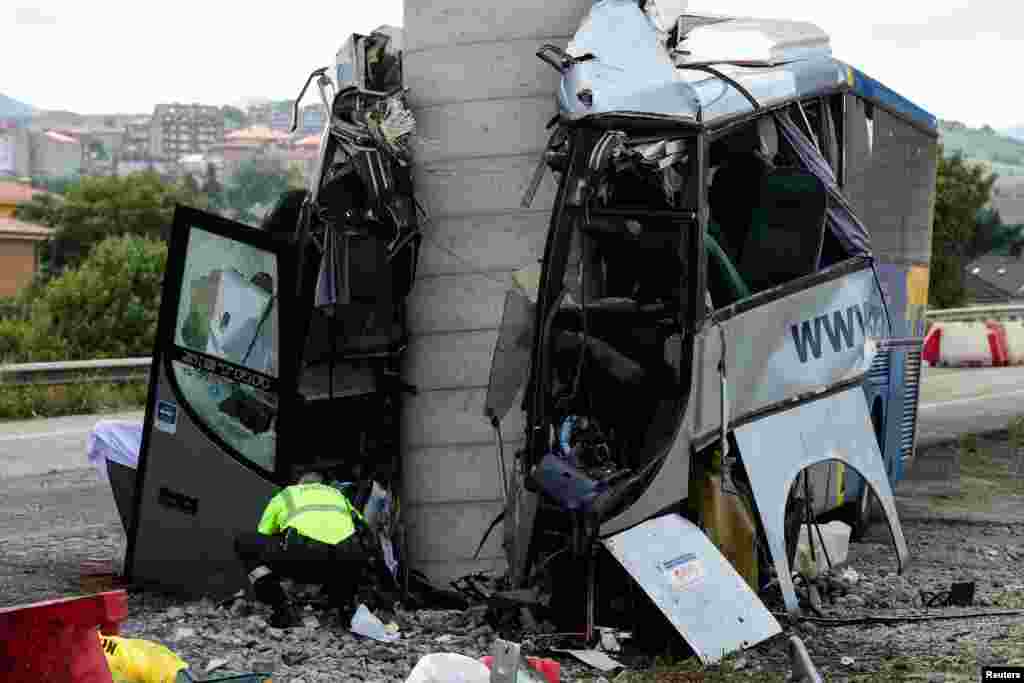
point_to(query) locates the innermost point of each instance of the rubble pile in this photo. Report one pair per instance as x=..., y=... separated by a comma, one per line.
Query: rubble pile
x=234, y=637
x=868, y=583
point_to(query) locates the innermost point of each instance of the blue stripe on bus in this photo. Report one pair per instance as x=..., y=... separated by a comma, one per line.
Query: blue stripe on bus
x=869, y=88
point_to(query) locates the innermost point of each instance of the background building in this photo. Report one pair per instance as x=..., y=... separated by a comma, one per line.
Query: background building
x=18, y=254
x=135, y=145
x=177, y=130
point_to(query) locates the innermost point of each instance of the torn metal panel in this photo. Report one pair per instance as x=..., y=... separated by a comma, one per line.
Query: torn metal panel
x=775, y=449
x=795, y=346
x=664, y=490
x=711, y=38
x=694, y=586
x=632, y=69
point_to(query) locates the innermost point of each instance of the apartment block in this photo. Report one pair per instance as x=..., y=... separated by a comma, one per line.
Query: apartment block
x=177, y=130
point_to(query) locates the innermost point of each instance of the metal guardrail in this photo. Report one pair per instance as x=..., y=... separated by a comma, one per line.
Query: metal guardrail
x=137, y=369
x=73, y=372
x=977, y=313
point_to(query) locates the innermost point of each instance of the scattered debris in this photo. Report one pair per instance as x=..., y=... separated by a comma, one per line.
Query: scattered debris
x=442, y=667
x=804, y=670
x=182, y=633
x=609, y=642
x=366, y=623
x=850, y=575
x=594, y=658
x=846, y=661
x=215, y=664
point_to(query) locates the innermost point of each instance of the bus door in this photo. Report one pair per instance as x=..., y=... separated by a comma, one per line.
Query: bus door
x=209, y=460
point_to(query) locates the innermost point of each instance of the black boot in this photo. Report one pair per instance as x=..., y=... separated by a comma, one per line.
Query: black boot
x=268, y=590
x=285, y=616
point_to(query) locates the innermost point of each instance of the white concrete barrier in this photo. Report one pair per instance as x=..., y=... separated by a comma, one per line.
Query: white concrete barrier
x=1015, y=341
x=965, y=344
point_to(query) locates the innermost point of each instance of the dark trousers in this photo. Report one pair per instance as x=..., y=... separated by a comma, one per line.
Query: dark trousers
x=338, y=568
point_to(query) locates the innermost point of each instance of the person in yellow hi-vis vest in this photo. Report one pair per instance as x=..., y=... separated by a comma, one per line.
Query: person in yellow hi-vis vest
x=309, y=533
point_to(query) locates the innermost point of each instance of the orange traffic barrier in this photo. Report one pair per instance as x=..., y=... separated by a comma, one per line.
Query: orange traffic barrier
x=55, y=641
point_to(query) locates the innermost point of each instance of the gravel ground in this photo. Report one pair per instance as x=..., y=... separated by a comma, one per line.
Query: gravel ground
x=50, y=524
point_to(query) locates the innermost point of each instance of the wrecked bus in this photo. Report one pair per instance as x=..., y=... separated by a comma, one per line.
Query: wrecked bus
x=707, y=329
x=268, y=335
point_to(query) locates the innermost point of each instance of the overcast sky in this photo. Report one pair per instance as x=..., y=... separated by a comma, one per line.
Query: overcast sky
x=958, y=60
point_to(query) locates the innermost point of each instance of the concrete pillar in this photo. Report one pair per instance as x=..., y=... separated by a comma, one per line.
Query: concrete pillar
x=481, y=99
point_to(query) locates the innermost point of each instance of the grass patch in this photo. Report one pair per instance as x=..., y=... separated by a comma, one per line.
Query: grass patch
x=665, y=670
x=26, y=402
x=1012, y=648
x=1009, y=599
x=962, y=666
x=987, y=470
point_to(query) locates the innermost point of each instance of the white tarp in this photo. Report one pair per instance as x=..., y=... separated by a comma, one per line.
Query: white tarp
x=117, y=441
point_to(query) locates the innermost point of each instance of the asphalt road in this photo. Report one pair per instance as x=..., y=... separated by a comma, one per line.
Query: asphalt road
x=955, y=401
x=33, y=447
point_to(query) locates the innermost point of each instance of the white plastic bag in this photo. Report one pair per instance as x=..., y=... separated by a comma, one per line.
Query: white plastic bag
x=837, y=542
x=448, y=667
x=366, y=623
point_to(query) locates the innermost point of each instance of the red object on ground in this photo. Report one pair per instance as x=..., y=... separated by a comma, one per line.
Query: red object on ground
x=998, y=343
x=551, y=669
x=930, y=352
x=56, y=641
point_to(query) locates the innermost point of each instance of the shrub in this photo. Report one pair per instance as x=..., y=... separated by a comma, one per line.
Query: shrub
x=105, y=308
x=13, y=333
x=26, y=402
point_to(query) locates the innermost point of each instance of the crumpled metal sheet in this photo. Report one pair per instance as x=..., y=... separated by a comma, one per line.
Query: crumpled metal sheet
x=633, y=70
x=777, y=448
x=694, y=586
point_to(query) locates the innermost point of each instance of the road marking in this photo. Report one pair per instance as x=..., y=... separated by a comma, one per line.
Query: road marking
x=971, y=399
x=43, y=435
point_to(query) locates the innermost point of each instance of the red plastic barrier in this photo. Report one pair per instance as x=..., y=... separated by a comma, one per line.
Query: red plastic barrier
x=997, y=342
x=932, y=342
x=551, y=669
x=55, y=641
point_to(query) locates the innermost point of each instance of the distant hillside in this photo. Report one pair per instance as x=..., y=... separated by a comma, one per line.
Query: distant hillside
x=1017, y=132
x=1003, y=153
x=12, y=108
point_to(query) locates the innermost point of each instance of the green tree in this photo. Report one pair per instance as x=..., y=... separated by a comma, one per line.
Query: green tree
x=255, y=186
x=211, y=186
x=107, y=307
x=189, y=186
x=42, y=209
x=989, y=233
x=55, y=184
x=95, y=208
x=962, y=190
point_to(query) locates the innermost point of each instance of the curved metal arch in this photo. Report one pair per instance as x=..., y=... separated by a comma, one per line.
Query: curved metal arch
x=778, y=447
